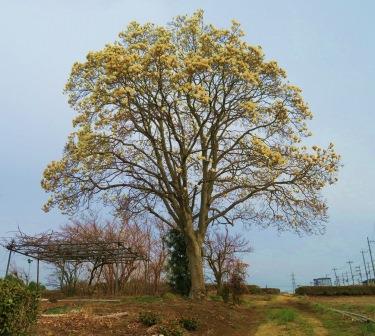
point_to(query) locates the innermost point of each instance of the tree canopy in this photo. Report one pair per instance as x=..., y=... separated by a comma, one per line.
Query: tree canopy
x=192, y=124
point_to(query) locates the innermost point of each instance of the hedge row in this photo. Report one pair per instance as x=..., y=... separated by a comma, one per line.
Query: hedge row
x=336, y=290
x=254, y=289
x=250, y=289
x=270, y=290
x=18, y=307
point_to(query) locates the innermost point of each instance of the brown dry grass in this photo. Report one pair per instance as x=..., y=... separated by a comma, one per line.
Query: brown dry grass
x=255, y=317
x=216, y=318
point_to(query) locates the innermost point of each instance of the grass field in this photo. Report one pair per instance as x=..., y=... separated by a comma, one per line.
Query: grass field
x=258, y=315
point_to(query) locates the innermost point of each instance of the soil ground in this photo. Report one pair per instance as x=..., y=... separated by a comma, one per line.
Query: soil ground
x=258, y=315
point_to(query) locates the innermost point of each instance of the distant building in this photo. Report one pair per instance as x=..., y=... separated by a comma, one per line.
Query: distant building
x=323, y=282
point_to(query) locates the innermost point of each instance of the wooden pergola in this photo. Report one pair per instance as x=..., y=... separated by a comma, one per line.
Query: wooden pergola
x=53, y=249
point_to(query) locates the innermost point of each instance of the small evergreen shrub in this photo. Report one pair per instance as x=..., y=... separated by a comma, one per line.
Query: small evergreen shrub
x=190, y=324
x=178, y=272
x=171, y=329
x=149, y=318
x=19, y=306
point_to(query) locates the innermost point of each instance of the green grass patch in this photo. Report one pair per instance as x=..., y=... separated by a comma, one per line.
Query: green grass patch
x=368, y=329
x=286, y=316
x=282, y=315
x=344, y=327
x=142, y=299
x=217, y=298
x=318, y=308
x=60, y=310
x=370, y=309
x=248, y=303
x=337, y=325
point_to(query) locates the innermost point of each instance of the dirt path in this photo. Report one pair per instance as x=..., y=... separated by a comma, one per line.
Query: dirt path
x=317, y=325
x=304, y=322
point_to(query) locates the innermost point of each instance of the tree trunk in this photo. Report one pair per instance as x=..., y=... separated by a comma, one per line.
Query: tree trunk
x=194, y=254
x=92, y=274
x=219, y=285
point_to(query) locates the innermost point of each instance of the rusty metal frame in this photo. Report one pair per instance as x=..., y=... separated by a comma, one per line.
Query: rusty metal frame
x=53, y=249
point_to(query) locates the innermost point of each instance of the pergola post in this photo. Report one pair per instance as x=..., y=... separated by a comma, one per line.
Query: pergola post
x=8, y=264
x=37, y=274
x=116, y=273
x=116, y=278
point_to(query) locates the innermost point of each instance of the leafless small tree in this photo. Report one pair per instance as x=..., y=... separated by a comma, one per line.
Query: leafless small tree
x=237, y=279
x=68, y=274
x=220, y=251
x=139, y=234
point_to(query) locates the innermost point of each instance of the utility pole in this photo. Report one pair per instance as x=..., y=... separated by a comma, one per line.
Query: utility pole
x=358, y=269
x=337, y=278
x=351, y=270
x=37, y=273
x=294, y=283
x=345, y=277
x=372, y=261
x=369, y=272
x=117, y=265
x=364, y=264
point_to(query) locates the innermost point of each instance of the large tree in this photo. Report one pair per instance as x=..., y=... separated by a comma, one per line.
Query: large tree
x=190, y=123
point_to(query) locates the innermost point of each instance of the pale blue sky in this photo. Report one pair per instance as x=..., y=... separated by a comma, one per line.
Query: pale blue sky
x=327, y=48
